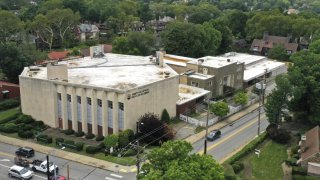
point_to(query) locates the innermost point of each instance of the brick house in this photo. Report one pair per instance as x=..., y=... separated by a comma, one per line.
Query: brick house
x=9, y=90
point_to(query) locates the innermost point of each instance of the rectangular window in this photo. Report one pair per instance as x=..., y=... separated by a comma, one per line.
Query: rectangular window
x=195, y=84
x=89, y=111
x=79, y=109
x=110, y=114
x=59, y=106
x=121, y=116
x=210, y=83
x=225, y=80
x=99, y=112
x=69, y=108
x=205, y=70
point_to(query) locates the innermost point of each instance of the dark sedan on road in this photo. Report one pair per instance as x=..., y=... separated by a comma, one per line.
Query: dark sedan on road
x=215, y=134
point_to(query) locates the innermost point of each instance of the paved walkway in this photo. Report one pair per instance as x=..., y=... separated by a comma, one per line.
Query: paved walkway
x=69, y=155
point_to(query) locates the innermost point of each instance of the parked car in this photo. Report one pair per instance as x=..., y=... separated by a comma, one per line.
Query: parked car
x=25, y=152
x=215, y=134
x=20, y=172
x=58, y=177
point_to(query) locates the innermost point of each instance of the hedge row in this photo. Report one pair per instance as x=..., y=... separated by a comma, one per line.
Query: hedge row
x=8, y=104
x=95, y=149
x=44, y=138
x=248, y=148
x=237, y=166
x=78, y=146
x=299, y=171
x=8, y=119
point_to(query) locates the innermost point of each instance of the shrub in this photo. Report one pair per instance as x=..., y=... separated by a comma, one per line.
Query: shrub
x=8, y=119
x=165, y=117
x=25, y=119
x=79, y=134
x=99, y=138
x=90, y=136
x=111, y=141
x=292, y=161
x=92, y=149
x=39, y=125
x=71, y=142
x=10, y=103
x=299, y=170
x=125, y=137
x=236, y=168
x=26, y=127
x=79, y=146
x=129, y=152
x=44, y=138
x=229, y=177
x=68, y=131
x=25, y=134
x=10, y=128
x=59, y=140
x=282, y=136
x=295, y=149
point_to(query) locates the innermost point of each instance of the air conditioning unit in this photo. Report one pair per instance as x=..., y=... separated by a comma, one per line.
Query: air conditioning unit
x=303, y=137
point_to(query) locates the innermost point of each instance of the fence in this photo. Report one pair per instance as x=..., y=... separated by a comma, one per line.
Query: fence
x=232, y=110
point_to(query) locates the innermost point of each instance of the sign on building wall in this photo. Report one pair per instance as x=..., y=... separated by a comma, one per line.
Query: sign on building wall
x=137, y=94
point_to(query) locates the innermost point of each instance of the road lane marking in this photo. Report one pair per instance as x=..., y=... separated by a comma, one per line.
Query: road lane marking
x=123, y=170
x=116, y=175
x=109, y=178
x=7, y=154
x=230, y=136
x=33, y=174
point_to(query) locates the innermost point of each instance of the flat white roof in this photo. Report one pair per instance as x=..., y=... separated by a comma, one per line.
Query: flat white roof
x=188, y=93
x=200, y=76
x=176, y=60
x=258, y=69
x=112, y=71
x=247, y=59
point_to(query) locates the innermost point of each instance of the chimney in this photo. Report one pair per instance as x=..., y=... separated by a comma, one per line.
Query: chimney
x=159, y=58
x=57, y=72
x=265, y=35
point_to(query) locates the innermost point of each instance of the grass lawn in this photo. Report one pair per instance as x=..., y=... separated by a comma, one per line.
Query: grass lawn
x=8, y=113
x=268, y=165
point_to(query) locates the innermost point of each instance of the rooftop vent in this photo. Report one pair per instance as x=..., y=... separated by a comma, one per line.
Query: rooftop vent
x=228, y=60
x=166, y=74
x=200, y=61
x=34, y=68
x=303, y=137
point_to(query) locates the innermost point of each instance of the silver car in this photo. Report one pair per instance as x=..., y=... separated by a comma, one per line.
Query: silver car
x=20, y=172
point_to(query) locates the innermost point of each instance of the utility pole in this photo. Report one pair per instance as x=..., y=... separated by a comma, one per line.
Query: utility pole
x=48, y=172
x=205, y=138
x=260, y=92
x=265, y=83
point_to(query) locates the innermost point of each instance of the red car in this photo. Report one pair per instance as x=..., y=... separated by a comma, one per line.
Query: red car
x=58, y=177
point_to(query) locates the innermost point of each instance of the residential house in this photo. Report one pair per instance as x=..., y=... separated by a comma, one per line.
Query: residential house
x=9, y=90
x=262, y=46
x=310, y=151
x=87, y=31
x=160, y=24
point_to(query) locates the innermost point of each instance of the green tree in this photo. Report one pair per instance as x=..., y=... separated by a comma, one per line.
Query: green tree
x=165, y=117
x=173, y=161
x=219, y=108
x=226, y=35
x=136, y=43
x=304, y=76
x=278, y=52
x=111, y=140
x=315, y=47
x=241, y=98
x=44, y=30
x=278, y=101
x=10, y=25
x=62, y=20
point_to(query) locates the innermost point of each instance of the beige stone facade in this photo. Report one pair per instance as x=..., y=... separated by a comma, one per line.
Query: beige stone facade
x=93, y=109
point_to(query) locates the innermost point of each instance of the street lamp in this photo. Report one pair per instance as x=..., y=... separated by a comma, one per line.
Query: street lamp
x=205, y=138
x=138, y=151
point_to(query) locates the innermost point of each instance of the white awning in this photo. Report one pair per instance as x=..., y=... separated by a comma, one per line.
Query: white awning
x=5, y=91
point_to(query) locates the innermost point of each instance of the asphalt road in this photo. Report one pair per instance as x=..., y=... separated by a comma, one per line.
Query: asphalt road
x=233, y=136
x=77, y=171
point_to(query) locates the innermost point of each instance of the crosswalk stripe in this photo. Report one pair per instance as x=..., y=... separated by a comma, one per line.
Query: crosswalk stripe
x=116, y=175
x=109, y=178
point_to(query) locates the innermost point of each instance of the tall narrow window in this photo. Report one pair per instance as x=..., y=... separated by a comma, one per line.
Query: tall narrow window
x=69, y=108
x=79, y=110
x=59, y=106
x=121, y=116
x=89, y=111
x=110, y=114
x=99, y=112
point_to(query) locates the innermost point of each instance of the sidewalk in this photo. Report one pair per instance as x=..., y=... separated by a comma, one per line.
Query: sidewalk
x=194, y=138
x=69, y=155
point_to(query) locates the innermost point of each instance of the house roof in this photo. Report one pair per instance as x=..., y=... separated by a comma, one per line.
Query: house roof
x=57, y=55
x=85, y=28
x=311, y=145
x=3, y=83
x=271, y=41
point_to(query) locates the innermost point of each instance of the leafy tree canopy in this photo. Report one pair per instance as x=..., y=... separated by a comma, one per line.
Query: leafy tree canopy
x=241, y=98
x=219, y=108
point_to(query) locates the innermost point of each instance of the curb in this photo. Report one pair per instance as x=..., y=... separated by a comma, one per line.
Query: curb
x=69, y=155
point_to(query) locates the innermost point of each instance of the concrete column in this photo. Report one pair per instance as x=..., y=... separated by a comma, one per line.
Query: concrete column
x=115, y=113
x=74, y=109
x=94, y=105
x=64, y=108
x=84, y=110
x=55, y=108
x=104, y=114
